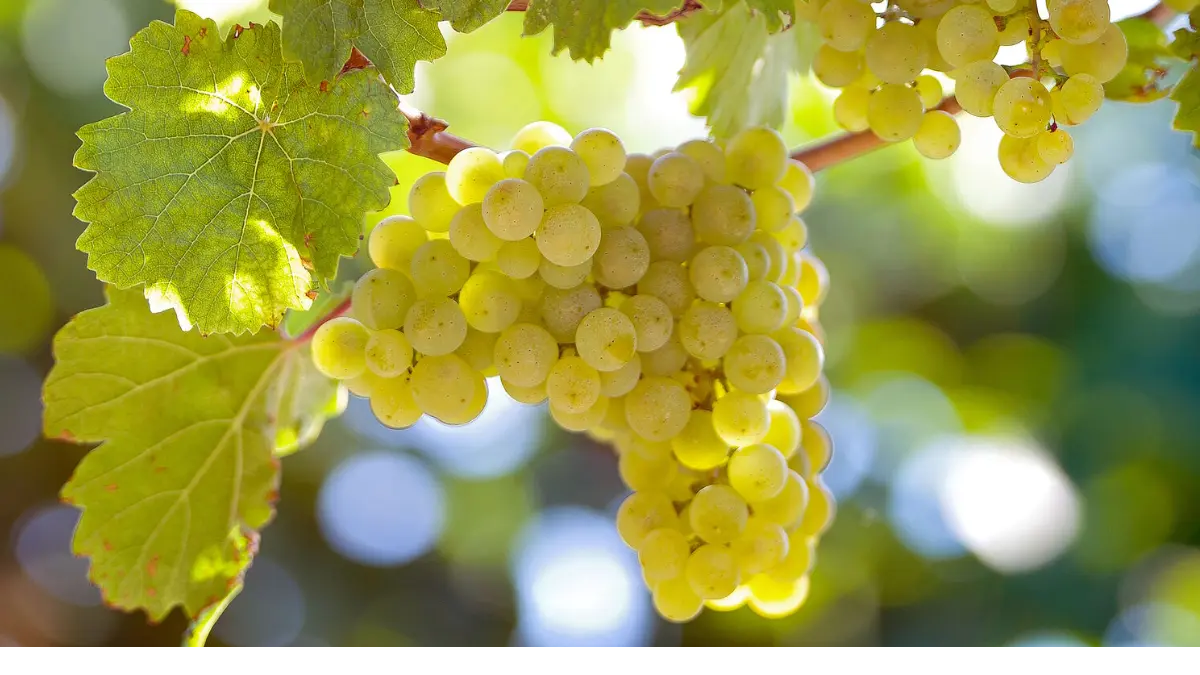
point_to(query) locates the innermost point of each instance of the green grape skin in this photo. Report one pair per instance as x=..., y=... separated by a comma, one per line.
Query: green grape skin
x=658, y=408
x=675, y=179
x=572, y=386
x=614, y=383
x=478, y=349
x=894, y=112
x=795, y=305
x=1022, y=107
x=784, y=430
x=525, y=353
x=512, y=209
x=438, y=270
x=435, y=326
x=938, y=136
x=763, y=546
x=339, y=348
x=602, y=153
x=668, y=234
x=489, y=301
x=723, y=215
x=760, y=308
x=564, y=277
x=663, y=554
x=896, y=53
x=813, y=283
x=1055, y=147
x=470, y=236
x=757, y=472
x=712, y=572
x=638, y=165
x=388, y=353
x=793, y=236
x=393, y=404
x=718, y=514
x=836, y=68
x=519, y=259
x=786, y=508
x=430, y=202
x=756, y=158
x=976, y=84
x=966, y=34
x=799, y=183
x=651, y=319
x=588, y=420
x=820, y=510
x=798, y=560
x=930, y=90
x=568, y=235
x=527, y=395
x=622, y=257
x=758, y=261
x=773, y=207
x=364, y=385
x=668, y=281
x=1077, y=99
x=698, y=446
x=1015, y=31
x=1020, y=159
x=537, y=135
x=606, y=339
x=393, y=242
x=775, y=252
x=850, y=109
x=1103, y=59
x=446, y=388
x=1079, y=21
x=563, y=309
x=643, y=512
x=675, y=601
x=755, y=364
x=1002, y=7
x=471, y=173
x=559, y=176
x=707, y=330
x=846, y=24
x=740, y=418
x=804, y=357
x=811, y=401
x=817, y=445
x=709, y=156
x=616, y=203
x=515, y=163
x=381, y=298
x=718, y=273
x=642, y=474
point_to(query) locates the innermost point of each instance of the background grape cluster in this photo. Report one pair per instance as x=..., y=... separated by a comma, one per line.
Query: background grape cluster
x=665, y=304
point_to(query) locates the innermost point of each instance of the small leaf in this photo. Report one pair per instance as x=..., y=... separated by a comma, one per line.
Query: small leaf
x=1187, y=94
x=584, y=27
x=1149, y=56
x=467, y=15
x=778, y=13
x=185, y=474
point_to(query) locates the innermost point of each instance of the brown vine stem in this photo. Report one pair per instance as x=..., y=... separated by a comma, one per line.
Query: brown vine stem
x=646, y=18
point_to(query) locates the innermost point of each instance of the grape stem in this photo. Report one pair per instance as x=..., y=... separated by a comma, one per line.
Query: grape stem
x=342, y=308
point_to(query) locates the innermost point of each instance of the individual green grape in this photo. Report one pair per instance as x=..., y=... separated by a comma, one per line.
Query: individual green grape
x=445, y=387
x=515, y=162
x=930, y=90
x=896, y=53
x=712, y=572
x=1055, y=147
x=790, y=274
x=363, y=385
x=773, y=207
x=836, y=68
x=820, y=510
x=572, y=385
x=1079, y=21
x=637, y=165
x=799, y=183
x=479, y=350
x=741, y=418
x=755, y=364
x=663, y=554
x=709, y=156
x=966, y=34
x=559, y=175
x=616, y=203
x=471, y=173
x=435, y=326
x=393, y=404
x=932, y=10
x=718, y=273
x=470, y=236
x=651, y=319
x=798, y=560
x=894, y=112
x=1020, y=159
x=512, y=209
x=1077, y=99
x=667, y=360
x=786, y=508
x=430, y=202
x=602, y=153
x=668, y=281
x=525, y=353
x=761, y=547
x=438, y=270
x=606, y=339
x=613, y=424
x=718, y=514
x=381, y=298
x=1103, y=59
x=756, y=257
x=757, y=472
x=804, y=356
x=817, y=445
x=339, y=348
x=756, y=158
x=783, y=428
x=1016, y=29
x=658, y=408
x=668, y=233
x=589, y=420
x=569, y=235
x=811, y=401
x=564, y=277
x=675, y=601
x=614, y=383
x=519, y=259
x=760, y=308
x=643, y=512
x=846, y=24
x=393, y=241
x=388, y=353
x=723, y=215
x=489, y=301
x=1002, y=7
x=1022, y=107
x=642, y=474
x=563, y=309
x=527, y=395
x=622, y=257
x=698, y=446
x=813, y=283
x=775, y=252
x=795, y=305
x=537, y=135
x=675, y=179
x=707, y=330
x=793, y=236
x=850, y=109
x=976, y=84
x=938, y=136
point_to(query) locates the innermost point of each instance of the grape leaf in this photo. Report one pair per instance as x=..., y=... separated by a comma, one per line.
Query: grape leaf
x=1146, y=66
x=780, y=14
x=230, y=183
x=467, y=15
x=186, y=470
x=1187, y=94
x=394, y=34
x=738, y=69
x=584, y=27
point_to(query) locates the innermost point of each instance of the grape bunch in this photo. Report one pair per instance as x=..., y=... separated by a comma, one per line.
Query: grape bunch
x=666, y=305
x=879, y=61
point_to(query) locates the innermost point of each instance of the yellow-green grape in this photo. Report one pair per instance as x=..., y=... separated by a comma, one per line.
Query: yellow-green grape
x=718, y=514
x=564, y=277
x=563, y=309
x=740, y=418
x=819, y=513
x=774, y=599
x=786, y=508
x=758, y=472
x=966, y=34
x=708, y=155
x=675, y=601
x=1078, y=21
x=783, y=428
x=559, y=175
x=763, y=546
x=1016, y=29
x=588, y=420
x=471, y=173
x=388, y=353
x=1002, y=7
x=756, y=257
x=816, y=444
x=928, y=30
x=637, y=165
x=683, y=488
x=790, y=274
x=527, y=395
x=489, y=301
x=775, y=252
x=894, y=112
x=718, y=273
x=836, y=68
x=1077, y=100
x=663, y=554
x=756, y=158
x=606, y=339
x=799, y=183
x=537, y=135
x=479, y=350
x=723, y=215
x=929, y=88
x=643, y=512
x=1020, y=159
x=667, y=360
x=1055, y=147
x=1103, y=59
x=755, y=364
x=846, y=24
x=621, y=258
x=976, y=84
x=896, y=53
x=393, y=242
x=381, y=298
x=668, y=281
x=707, y=330
x=572, y=385
x=760, y=308
x=850, y=109
x=445, y=387
x=773, y=207
x=938, y=136
x=602, y=153
x=651, y=319
x=363, y=385
x=804, y=357
x=438, y=270
x=339, y=348
x=519, y=259
x=712, y=572
x=614, y=417
x=668, y=233
x=658, y=408
x=512, y=209
x=430, y=202
x=795, y=304
x=569, y=235
x=514, y=162
x=642, y=474
x=1022, y=107
x=814, y=280
x=797, y=561
x=615, y=203
x=393, y=404
x=470, y=236
x=675, y=179
x=614, y=383
x=435, y=326
x=793, y=236
x=811, y=401
x=698, y=446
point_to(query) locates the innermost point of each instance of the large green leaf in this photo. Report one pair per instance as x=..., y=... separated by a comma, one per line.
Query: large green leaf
x=1139, y=81
x=584, y=27
x=467, y=15
x=394, y=34
x=1187, y=94
x=186, y=472
x=230, y=183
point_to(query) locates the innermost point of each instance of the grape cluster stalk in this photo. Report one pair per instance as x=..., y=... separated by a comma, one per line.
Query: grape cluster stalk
x=664, y=304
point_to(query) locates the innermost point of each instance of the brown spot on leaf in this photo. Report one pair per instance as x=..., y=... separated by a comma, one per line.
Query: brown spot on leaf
x=67, y=436
x=107, y=545
x=237, y=30
x=203, y=33
x=111, y=487
x=357, y=61
x=308, y=265
x=150, y=592
x=311, y=294
x=187, y=45
x=152, y=567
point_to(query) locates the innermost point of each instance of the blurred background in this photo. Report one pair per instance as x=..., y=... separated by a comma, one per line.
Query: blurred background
x=1016, y=413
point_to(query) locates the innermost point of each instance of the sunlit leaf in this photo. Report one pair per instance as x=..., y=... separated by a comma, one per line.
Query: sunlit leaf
x=467, y=15
x=584, y=27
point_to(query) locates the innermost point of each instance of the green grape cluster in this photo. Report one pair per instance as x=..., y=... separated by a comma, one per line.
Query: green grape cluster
x=664, y=304
x=882, y=62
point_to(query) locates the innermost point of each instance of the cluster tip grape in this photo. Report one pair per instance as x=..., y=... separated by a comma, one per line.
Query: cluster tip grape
x=664, y=304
